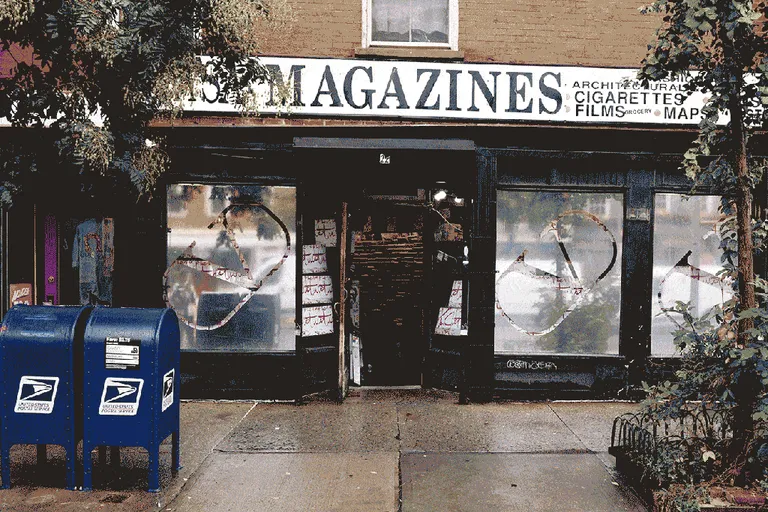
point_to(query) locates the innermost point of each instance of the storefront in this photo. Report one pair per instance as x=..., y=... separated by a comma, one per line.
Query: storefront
x=490, y=229
x=358, y=211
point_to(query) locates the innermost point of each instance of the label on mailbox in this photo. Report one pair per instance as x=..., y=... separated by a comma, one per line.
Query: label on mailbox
x=36, y=394
x=120, y=397
x=121, y=353
x=168, y=389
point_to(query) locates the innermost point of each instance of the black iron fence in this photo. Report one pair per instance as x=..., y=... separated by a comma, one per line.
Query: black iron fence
x=654, y=450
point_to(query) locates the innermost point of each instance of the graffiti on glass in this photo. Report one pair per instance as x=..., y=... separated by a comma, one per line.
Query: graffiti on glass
x=570, y=285
x=242, y=278
x=695, y=274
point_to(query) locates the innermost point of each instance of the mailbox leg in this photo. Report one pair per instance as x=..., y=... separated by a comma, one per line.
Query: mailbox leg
x=87, y=467
x=71, y=459
x=176, y=462
x=42, y=454
x=102, y=455
x=154, y=467
x=5, y=465
x=114, y=456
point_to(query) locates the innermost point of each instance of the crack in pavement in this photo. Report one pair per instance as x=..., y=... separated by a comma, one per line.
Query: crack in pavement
x=570, y=429
x=616, y=477
x=195, y=472
x=399, y=461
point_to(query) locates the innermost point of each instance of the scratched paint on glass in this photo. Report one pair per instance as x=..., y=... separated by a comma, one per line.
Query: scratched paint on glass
x=558, y=264
x=686, y=261
x=231, y=275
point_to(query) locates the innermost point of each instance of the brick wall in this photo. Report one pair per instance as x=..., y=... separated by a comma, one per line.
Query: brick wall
x=9, y=58
x=322, y=28
x=575, y=32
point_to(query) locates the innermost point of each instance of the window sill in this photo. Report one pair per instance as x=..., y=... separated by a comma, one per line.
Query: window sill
x=380, y=52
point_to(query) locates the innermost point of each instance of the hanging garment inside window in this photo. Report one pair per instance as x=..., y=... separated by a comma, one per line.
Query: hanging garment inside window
x=93, y=256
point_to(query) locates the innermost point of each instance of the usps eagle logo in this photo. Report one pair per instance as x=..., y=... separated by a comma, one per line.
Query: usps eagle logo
x=37, y=394
x=168, y=390
x=120, y=397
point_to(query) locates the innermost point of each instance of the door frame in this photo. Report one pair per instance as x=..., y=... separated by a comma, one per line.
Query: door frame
x=441, y=367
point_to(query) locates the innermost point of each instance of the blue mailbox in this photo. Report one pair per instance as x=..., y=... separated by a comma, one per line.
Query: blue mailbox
x=41, y=364
x=131, y=384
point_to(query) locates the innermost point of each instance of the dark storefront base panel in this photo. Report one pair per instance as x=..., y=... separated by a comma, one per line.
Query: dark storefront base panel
x=548, y=377
x=518, y=377
x=240, y=376
x=443, y=370
x=319, y=370
x=287, y=376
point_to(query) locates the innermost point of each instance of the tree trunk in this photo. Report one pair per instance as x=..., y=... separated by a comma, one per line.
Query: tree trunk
x=747, y=298
x=746, y=385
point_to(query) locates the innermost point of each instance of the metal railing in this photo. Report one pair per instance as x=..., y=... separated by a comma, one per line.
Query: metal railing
x=680, y=448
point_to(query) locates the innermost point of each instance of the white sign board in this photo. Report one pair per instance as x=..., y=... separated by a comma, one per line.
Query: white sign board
x=167, y=396
x=316, y=320
x=449, y=322
x=355, y=358
x=454, y=301
x=316, y=289
x=457, y=91
x=314, y=259
x=325, y=232
x=120, y=397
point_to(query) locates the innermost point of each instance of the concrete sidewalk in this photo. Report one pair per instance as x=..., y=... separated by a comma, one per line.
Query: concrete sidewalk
x=378, y=451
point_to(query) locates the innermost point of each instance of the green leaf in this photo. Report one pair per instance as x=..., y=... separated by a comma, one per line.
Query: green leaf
x=751, y=313
x=690, y=21
x=747, y=353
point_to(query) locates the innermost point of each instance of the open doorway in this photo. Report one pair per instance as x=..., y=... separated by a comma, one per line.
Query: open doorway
x=387, y=274
x=406, y=272
x=398, y=271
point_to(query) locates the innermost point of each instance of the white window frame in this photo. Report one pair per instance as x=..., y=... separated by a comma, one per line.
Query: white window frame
x=453, y=30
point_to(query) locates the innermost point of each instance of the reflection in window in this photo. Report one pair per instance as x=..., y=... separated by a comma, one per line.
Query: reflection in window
x=686, y=260
x=558, y=263
x=231, y=274
x=409, y=21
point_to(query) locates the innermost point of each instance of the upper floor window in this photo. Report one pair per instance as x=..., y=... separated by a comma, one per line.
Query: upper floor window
x=432, y=23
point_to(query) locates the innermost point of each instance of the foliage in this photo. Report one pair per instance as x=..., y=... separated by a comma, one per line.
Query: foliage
x=102, y=70
x=714, y=362
x=720, y=46
x=701, y=403
x=10, y=168
x=684, y=499
x=716, y=45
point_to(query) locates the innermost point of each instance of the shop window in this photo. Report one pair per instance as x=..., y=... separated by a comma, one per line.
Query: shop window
x=686, y=262
x=176, y=204
x=430, y=23
x=558, y=280
x=231, y=274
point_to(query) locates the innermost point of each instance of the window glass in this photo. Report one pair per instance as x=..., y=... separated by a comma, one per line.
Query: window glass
x=231, y=274
x=686, y=260
x=558, y=272
x=410, y=21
